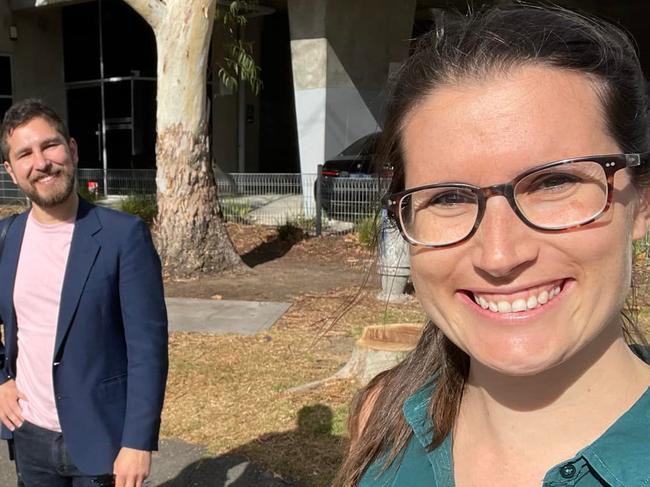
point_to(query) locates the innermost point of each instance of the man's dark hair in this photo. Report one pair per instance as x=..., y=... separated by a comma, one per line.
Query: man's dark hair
x=23, y=112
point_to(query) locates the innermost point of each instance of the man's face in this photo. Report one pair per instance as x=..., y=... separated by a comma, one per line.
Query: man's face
x=42, y=163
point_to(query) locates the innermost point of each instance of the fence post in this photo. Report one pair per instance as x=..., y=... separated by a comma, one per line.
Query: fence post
x=319, y=179
x=105, y=171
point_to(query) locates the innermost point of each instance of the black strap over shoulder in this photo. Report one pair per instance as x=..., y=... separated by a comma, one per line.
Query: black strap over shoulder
x=3, y=233
x=3, y=237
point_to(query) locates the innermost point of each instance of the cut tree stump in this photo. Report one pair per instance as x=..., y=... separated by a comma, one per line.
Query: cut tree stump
x=379, y=348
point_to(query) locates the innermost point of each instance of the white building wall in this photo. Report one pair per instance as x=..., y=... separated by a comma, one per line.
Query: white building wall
x=309, y=61
x=341, y=55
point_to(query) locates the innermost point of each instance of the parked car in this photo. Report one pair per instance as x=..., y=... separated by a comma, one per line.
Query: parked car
x=350, y=187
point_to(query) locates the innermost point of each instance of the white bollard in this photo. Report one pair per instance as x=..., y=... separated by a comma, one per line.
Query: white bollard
x=394, y=264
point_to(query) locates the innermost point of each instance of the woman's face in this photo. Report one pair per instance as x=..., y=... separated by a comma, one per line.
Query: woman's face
x=485, y=133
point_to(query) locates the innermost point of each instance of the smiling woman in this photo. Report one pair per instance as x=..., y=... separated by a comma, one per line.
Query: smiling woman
x=519, y=138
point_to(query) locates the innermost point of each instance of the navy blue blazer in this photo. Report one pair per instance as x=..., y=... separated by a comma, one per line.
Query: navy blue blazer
x=110, y=354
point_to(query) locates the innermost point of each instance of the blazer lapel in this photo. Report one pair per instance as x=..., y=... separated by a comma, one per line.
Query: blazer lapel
x=83, y=251
x=8, y=267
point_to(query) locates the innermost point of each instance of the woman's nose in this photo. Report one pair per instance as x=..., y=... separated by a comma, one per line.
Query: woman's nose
x=503, y=243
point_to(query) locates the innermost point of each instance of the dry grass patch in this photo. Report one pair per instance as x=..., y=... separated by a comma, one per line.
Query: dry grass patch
x=230, y=392
x=6, y=210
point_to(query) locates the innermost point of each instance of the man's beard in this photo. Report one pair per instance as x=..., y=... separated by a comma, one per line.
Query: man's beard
x=63, y=187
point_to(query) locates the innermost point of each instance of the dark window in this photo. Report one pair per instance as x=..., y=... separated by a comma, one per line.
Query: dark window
x=84, y=120
x=118, y=99
x=129, y=43
x=6, y=85
x=5, y=76
x=279, y=135
x=127, y=111
x=81, y=42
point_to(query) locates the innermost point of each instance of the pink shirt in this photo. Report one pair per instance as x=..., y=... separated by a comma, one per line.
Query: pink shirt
x=37, y=295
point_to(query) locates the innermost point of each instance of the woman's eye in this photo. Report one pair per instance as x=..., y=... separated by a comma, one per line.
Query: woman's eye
x=450, y=199
x=555, y=181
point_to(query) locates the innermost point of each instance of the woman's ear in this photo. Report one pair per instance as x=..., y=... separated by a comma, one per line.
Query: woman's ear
x=642, y=218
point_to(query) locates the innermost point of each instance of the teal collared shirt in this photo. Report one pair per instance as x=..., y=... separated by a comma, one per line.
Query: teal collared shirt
x=619, y=458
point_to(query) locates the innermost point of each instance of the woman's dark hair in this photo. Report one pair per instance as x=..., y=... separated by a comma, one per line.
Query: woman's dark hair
x=490, y=42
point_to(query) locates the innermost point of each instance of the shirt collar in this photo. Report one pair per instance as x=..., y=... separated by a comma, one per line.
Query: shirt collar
x=620, y=455
x=416, y=413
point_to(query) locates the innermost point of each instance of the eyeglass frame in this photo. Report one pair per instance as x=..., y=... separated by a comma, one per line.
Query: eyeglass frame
x=611, y=163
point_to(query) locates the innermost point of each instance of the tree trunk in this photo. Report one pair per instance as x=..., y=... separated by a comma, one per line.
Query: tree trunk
x=190, y=236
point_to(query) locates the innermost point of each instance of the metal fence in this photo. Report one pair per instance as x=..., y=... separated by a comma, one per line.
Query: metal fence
x=119, y=182
x=278, y=199
x=265, y=199
x=9, y=193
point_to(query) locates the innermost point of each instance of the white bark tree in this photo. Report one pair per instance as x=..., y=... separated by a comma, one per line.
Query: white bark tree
x=190, y=236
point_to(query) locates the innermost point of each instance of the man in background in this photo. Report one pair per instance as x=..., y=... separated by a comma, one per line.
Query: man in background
x=85, y=341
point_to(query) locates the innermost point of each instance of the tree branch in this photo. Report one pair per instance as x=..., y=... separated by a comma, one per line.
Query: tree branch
x=151, y=10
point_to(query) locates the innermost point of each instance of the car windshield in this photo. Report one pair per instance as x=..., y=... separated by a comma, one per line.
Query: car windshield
x=364, y=146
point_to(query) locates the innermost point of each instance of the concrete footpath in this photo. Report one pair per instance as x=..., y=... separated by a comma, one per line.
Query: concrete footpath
x=180, y=464
x=220, y=317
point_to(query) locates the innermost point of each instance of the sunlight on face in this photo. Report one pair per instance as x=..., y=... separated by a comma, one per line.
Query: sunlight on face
x=42, y=162
x=486, y=133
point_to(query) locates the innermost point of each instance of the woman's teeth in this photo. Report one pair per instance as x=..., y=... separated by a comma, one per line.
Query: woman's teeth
x=503, y=306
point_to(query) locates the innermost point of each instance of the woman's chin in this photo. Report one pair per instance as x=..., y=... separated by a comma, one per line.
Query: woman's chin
x=522, y=368
x=517, y=362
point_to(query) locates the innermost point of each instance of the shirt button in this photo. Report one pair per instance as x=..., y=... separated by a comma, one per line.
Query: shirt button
x=568, y=471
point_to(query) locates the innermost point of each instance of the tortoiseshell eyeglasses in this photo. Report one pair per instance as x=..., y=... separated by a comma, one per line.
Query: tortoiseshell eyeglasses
x=553, y=197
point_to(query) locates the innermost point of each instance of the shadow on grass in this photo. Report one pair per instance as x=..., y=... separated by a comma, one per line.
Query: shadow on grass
x=307, y=456
x=268, y=251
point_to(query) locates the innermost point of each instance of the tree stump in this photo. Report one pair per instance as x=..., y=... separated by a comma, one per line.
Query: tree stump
x=380, y=348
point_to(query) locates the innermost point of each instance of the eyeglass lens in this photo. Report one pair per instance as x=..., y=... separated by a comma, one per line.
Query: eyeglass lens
x=554, y=198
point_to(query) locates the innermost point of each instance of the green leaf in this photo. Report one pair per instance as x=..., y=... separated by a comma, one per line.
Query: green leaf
x=239, y=63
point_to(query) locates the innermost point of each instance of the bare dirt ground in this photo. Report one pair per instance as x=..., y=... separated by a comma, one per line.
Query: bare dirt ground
x=283, y=269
